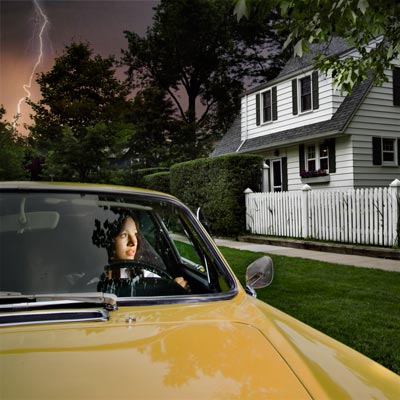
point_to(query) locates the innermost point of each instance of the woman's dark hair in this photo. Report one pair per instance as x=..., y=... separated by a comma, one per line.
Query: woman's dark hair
x=104, y=234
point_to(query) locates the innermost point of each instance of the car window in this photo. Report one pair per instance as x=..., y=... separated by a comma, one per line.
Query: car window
x=129, y=245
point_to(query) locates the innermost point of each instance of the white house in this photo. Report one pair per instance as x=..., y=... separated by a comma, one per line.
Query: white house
x=304, y=127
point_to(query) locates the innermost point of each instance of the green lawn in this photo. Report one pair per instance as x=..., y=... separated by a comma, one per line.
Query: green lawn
x=359, y=307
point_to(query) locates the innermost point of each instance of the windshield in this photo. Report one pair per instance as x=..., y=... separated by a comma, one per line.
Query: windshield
x=128, y=245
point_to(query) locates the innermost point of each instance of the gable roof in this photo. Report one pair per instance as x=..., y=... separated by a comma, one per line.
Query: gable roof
x=294, y=65
x=231, y=142
x=336, y=46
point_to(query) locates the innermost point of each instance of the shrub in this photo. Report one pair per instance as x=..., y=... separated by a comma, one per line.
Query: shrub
x=136, y=177
x=158, y=181
x=217, y=185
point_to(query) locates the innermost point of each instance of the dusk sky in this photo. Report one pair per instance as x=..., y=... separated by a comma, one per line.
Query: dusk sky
x=101, y=23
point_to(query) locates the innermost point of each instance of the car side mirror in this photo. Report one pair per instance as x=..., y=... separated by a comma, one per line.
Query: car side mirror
x=259, y=274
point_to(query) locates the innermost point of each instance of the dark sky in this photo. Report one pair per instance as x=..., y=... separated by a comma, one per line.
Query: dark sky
x=101, y=23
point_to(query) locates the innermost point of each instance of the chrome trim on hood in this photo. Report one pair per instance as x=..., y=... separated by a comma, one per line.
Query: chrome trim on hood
x=53, y=317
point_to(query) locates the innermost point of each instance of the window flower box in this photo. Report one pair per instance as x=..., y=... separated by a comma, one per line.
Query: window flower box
x=320, y=176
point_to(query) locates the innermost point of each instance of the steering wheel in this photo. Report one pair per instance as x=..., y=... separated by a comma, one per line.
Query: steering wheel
x=140, y=265
x=162, y=285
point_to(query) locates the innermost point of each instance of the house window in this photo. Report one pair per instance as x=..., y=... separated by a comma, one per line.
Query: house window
x=311, y=158
x=385, y=151
x=324, y=156
x=305, y=94
x=317, y=159
x=388, y=151
x=267, y=106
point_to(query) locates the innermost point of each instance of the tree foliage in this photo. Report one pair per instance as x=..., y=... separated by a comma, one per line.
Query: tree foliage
x=199, y=55
x=79, y=122
x=92, y=156
x=12, y=151
x=156, y=131
x=358, y=22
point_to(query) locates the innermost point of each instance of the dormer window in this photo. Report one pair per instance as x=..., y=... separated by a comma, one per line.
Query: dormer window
x=266, y=106
x=305, y=93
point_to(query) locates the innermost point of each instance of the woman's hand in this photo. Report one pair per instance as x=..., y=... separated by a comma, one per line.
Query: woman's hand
x=182, y=282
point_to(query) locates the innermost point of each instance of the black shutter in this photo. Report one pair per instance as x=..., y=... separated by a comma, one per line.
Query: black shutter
x=274, y=104
x=396, y=86
x=258, y=109
x=376, y=151
x=315, y=90
x=302, y=159
x=284, y=175
x=398, y=151
x=332, y=155
x=294, y=96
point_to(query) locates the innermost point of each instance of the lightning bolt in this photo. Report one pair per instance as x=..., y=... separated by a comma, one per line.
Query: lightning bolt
x=44, y=21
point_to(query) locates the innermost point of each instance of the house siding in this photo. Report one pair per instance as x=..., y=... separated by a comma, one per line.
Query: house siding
x=329, y=102
x=376, y=117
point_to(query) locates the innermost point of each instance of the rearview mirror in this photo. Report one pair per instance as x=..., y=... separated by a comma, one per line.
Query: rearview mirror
x=259, y=274
x=29, y=221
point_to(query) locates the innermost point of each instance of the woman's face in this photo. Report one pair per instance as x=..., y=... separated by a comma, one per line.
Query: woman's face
x=126, y=240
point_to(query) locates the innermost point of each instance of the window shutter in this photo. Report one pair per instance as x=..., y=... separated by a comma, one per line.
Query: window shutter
x=315, y=90
x=398, y=151
x=294, y=96
x=376, y=151
x=396, y=86
x=274, y=104
x=284, y=175
x=301, y=158
x=258, y=109
x=332, y=155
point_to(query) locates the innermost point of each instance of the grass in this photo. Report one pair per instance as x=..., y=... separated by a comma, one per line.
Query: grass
x=357, y=306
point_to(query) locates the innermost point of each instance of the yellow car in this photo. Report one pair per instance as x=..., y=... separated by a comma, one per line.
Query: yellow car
x=120, y=293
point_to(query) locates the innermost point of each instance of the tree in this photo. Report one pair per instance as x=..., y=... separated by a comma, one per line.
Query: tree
x=152, y=116
x=199, y=55
x=12, y=152
x=358, y=22
x=91, y=157
x=78, y=120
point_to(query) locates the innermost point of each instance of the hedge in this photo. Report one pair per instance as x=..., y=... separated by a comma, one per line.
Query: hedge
x=217, y=185
x=158, y=181
x=136, y=178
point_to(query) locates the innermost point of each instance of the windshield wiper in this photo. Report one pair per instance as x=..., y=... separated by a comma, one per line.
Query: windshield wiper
x=49, y=301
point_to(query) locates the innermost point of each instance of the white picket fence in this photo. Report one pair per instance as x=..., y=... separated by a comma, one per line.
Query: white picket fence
x=360, y=216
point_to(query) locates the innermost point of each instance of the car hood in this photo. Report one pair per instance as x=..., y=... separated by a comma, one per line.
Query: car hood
x=171, y=352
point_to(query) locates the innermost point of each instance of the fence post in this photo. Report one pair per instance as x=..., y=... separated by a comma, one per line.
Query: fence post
x=304, y=211
x=247, y=209
x=394, y=188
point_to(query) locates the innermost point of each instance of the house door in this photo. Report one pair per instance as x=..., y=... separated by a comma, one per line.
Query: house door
x=276, y=175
